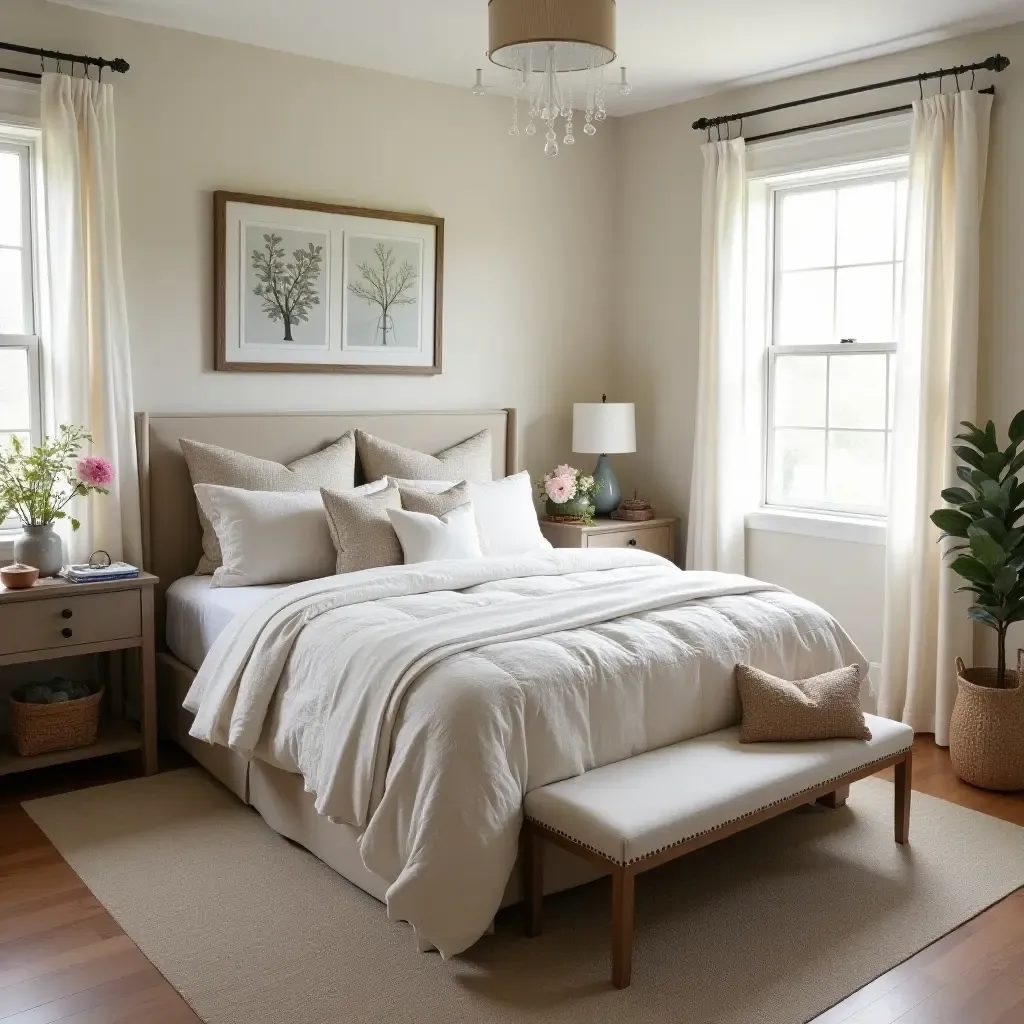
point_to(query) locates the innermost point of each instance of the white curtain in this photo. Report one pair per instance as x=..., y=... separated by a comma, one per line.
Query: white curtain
x=926, y=624
x=89, y=378
x=718, y=485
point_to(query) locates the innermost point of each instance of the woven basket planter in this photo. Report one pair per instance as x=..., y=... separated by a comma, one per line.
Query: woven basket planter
x=43, y=728
x=986, y=734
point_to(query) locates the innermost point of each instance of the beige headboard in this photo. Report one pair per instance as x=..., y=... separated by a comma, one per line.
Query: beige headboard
x=171, y=536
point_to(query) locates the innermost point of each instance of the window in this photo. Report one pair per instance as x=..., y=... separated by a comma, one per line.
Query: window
x=835, y=276
x=20, y=392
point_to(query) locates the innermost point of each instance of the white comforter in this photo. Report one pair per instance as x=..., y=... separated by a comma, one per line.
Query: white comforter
x=422, y=702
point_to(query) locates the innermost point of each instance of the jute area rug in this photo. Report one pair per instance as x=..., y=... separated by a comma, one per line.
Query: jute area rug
x=771, y=926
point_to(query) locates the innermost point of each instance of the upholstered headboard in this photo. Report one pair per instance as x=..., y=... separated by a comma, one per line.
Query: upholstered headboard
x=171, y=536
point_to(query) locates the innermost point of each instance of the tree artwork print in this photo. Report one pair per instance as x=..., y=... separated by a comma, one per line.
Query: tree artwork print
x=288, y=289
x=385, y=286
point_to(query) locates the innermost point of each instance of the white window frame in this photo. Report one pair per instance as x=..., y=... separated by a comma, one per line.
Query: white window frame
x=24, y=142
x=770, y=190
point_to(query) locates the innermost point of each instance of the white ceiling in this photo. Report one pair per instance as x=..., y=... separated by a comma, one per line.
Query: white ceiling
x=675, y=49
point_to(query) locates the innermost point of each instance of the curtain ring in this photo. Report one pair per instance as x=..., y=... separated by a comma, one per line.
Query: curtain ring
x=728, y=131
x=972, y=80
x=920, y=85
x=739, y=134
x=957, y=77
x=709, y=133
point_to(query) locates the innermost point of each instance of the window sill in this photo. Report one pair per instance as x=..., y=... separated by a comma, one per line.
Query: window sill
x=7, y=545
x=852, y=529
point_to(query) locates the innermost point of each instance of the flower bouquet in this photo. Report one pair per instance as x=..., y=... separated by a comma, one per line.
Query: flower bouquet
x=570, y=494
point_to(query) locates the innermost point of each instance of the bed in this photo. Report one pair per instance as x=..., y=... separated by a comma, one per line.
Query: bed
x=609, y=635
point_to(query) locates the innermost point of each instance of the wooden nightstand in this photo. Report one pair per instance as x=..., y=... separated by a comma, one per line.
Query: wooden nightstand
x=57, y=619
x=657, y=535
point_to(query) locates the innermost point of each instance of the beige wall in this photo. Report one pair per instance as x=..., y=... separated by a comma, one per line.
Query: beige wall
x=658, y=184
x=527, y=296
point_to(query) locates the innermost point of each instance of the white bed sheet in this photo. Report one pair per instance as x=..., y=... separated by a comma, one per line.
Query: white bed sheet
x=198, y=612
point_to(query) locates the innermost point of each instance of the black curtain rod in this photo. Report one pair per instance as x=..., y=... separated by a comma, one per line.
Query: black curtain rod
x=902, y=109
x=118, y=64
x=997, y=63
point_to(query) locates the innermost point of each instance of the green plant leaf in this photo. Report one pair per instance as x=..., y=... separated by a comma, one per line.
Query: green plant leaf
x=957, y=495
x=951, y=521
x=75, y=524
x=994, y=463
x=1005, y=580
x=990, y=435
x=980, y=614
x=970, y=456
x=966, y=474
x=988, y=551
x=1017, y=427
x=971, y=569
x=977, y=439
x=991, y=525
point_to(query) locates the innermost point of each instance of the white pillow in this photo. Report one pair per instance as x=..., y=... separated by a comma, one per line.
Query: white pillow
x=424, y=537
x=270, y=536
x=506, y=517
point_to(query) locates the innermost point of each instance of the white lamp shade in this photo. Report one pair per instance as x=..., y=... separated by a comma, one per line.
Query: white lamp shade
x=603, y=428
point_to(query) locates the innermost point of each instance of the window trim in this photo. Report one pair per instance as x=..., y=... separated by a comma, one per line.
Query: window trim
x=771, y=188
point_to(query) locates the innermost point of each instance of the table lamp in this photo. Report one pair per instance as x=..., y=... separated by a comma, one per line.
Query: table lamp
x=604, y=428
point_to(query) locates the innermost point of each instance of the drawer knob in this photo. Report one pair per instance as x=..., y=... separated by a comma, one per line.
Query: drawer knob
x=66, y=613
x=632, y=542
x=66, y=633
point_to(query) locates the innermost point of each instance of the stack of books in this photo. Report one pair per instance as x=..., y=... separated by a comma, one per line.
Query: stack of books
x=99, y=573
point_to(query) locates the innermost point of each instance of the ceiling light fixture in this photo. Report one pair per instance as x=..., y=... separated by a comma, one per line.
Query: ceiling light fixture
x=557, y=51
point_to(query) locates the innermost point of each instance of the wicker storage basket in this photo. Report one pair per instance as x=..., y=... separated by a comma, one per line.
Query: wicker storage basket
x=43, y=728
x=986, y=734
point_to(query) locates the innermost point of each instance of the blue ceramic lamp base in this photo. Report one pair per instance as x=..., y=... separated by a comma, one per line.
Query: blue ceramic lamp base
x=609, y=494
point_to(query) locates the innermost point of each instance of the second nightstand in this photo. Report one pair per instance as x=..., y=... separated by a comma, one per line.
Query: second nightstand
x=656, y=535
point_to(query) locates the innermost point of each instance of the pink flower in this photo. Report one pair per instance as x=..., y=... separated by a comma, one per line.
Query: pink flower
x=95, y=471
x=560, y=489
x=565, y=470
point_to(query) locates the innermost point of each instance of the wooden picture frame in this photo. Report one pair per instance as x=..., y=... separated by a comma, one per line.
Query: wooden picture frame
x=353, y=304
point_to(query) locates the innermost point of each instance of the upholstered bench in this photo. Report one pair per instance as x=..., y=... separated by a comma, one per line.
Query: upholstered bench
x=636, y=814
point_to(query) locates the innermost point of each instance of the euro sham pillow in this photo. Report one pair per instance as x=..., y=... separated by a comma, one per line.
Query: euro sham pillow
x=267, y=536
x=361, y=532
x=425, y=537
x=823, y=707
x=506, y=517
x=467, y=460
x=332, y=467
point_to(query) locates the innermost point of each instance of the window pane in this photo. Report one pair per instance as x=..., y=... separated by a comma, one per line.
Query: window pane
x=901, y=217
x=799, y=384
x=864, y=303
x=865, y=218
x=856, y=468
x=798, y=466
x=12, y=293
x=856, y=391
x=10, y=199
x=808, y=230
x=14, y=384
x=892, y=392
x=806, y=302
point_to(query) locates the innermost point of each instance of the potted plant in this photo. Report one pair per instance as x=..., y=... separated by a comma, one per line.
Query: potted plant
x=570, y=494
x=37, y=484
x=986, y=736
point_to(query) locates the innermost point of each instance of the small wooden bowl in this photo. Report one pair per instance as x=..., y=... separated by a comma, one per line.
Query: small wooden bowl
x=18, y=576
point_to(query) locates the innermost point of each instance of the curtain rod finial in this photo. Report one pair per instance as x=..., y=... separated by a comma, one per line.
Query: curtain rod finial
x=120, y=64
x=1000, y=63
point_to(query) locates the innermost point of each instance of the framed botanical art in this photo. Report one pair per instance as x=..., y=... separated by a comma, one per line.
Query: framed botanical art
x=311, y=287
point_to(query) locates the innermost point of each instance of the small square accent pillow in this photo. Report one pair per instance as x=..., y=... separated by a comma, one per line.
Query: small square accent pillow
x=467, y=460
x=360, y=529
x=778, y=710
x=425, y=537
x=431, y=502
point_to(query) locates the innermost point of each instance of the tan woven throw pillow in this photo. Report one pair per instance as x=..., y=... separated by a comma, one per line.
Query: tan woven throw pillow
x=823, y=707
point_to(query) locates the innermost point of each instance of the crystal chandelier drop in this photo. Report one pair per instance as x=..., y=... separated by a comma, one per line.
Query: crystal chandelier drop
x=557, y=51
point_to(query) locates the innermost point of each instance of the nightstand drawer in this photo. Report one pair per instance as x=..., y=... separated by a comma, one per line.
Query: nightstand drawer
x=657, y=539
x=69, y=621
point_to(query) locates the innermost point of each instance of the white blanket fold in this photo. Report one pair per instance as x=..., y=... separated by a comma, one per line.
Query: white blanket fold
x=430, y=698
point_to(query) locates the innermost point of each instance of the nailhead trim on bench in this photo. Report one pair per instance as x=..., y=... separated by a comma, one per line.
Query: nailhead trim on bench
x=721, y=825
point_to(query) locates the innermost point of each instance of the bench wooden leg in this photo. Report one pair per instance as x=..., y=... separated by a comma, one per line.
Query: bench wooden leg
x=903, y=779
x=533, y=877
x=622, y=925
x=837, y=798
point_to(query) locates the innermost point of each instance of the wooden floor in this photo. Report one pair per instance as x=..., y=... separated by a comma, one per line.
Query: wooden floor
x=63, y=958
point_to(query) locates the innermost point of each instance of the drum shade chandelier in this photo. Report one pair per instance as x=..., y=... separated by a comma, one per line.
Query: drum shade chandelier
x=557, y=51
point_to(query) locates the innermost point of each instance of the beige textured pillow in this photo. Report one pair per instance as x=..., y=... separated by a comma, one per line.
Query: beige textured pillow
x=823, y=707
x=362, y=533
x=467, y=460
x=434, y=503
x=333, y=467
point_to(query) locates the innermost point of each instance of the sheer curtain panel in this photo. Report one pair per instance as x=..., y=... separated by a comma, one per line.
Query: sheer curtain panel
x=89, y=375
x=715, y=537
x=926, y=624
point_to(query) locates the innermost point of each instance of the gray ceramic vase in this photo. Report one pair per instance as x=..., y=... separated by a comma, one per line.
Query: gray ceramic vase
x=40, y=547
